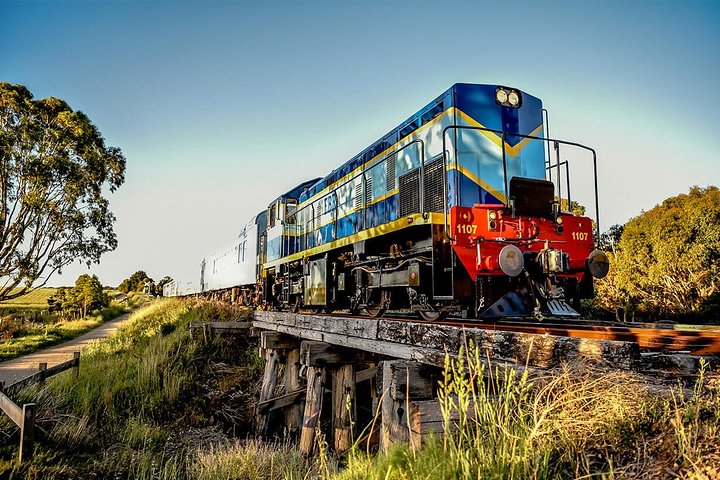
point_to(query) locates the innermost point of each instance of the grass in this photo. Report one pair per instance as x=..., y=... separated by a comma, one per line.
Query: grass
x=151, y=404
x=35, y=300
x=572, y=424
x=134, y=388
x=29, y=331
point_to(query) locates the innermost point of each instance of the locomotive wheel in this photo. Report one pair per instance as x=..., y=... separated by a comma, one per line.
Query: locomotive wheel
x=375, y=311
x=431, y=315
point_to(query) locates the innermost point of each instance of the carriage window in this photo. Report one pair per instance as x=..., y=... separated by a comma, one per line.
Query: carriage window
x=290, y=212
x=271, y=215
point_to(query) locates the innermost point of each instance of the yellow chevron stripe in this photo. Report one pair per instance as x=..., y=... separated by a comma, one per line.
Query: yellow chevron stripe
x=496, y=139
x=513, y=151
x=434, y=218
x=494, y=192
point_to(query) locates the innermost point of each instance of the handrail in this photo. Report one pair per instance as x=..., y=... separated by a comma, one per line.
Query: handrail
x=567, y=178
x=531, y=137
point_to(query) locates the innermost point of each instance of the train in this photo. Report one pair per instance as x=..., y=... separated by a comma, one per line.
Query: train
x=459, y=211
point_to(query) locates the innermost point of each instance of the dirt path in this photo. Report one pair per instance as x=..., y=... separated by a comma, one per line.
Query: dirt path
x=21, y=367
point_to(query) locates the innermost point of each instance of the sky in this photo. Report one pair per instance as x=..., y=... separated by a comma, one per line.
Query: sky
x=220, y=106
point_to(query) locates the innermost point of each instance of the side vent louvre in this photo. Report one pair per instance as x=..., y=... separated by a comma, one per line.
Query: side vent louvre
x=368, y=190
x=410, y=189
x=358, y=195
x=434, y=186
x=409, y=193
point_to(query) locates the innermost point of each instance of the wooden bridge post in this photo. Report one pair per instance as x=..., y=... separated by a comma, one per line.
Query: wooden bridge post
x=274, y=345
x=294, y=413
x=313, y=408
x=343, y=394
x=272, y=359
x=403, y=381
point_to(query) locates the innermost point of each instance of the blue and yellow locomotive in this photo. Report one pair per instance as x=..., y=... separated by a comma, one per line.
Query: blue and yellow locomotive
x=453, y=211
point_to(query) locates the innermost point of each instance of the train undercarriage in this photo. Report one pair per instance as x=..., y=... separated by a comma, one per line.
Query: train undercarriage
x=416, y=270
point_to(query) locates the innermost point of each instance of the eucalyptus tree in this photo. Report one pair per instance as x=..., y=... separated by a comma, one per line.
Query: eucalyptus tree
x=666, y=260
x=55, y=172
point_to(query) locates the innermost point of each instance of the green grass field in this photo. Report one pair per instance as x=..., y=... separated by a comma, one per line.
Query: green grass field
x=36, y=300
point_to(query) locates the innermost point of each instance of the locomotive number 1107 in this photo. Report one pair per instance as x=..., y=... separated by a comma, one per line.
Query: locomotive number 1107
x=467, y=228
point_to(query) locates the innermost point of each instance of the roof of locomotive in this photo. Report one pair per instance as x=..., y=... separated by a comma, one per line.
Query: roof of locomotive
x=442, y=102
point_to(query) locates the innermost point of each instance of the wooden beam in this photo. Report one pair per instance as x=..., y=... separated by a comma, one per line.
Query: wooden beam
x=343, y=394
x=277, y=341
x=292, y=398
x=221, y=325
x=293, y=382
x=428, y=342
x=14, y=412
x=41, y=375
x=313, y=408
x=365, y=375
x=412, y=380
x=321, y=353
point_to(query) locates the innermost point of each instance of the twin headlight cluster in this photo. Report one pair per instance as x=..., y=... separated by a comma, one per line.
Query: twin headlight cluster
x=508, y=97
x=512, y=261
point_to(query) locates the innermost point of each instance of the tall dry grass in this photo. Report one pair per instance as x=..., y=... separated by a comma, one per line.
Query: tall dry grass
x=575, y=423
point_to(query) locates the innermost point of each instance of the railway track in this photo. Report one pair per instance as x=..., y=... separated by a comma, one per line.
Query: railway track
x=647, y=337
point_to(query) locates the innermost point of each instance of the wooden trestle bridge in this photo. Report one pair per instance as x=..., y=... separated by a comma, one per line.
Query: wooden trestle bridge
x=354, y=372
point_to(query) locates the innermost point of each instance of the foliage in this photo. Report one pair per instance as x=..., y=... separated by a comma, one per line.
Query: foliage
x=85, y=296
x=576, y=208
x=138, y=282
x=165, y=280
x=667, y=261
x=54, y=166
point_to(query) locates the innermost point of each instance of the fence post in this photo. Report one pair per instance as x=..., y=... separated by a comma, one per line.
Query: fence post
x=27, y=432
x=42, y=367
x=76, y=368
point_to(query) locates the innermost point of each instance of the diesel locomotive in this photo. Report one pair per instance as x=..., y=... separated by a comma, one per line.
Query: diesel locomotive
x=458, y=210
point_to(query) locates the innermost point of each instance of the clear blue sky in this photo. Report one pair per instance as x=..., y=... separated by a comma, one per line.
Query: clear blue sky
x=219, y=106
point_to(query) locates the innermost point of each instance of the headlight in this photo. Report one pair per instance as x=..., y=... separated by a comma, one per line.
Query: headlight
x=492, y=214
x=508, y=97
x=598, y=264
x=511, y=260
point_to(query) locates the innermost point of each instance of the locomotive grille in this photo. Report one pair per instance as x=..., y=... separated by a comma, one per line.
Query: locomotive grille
x=391, y=173
x=368, y=190
x=358, y=195
x=434, y=186
x=409, y=193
